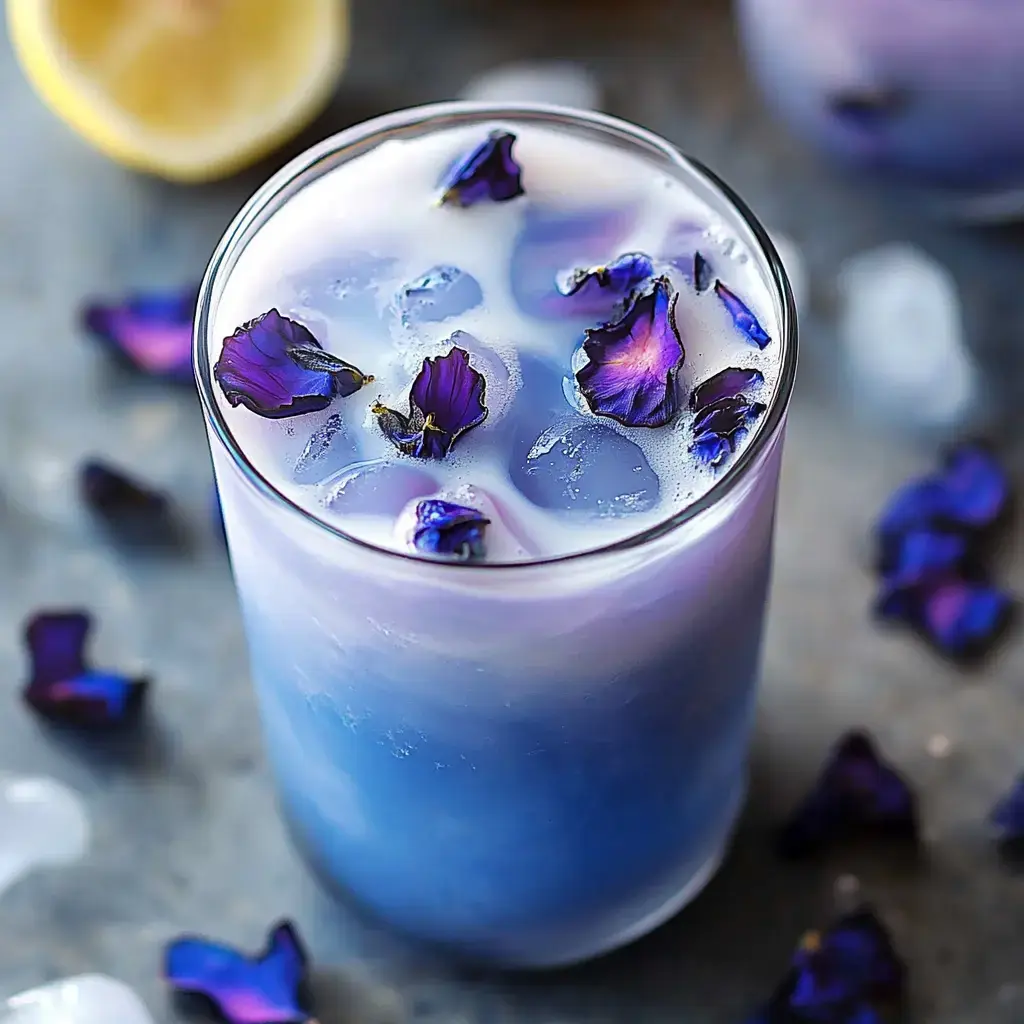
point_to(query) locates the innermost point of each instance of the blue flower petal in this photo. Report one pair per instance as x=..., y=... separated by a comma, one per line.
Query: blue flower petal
x=446, y=400
x=742, y=316
x=857, y=794
x=488, y=174
x=63, y=688
x=631, y=371
x=445, y=528
x=602, y=289
x=726, y=417
x=729, y=383
x=264, y=989
x=276, y=368
x=133, y=510
x=976, y=487
x=1008, y=814
x=712, y=449
x=922, y=555
x=151, y=331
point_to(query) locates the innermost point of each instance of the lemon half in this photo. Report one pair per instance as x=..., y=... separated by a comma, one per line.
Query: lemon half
x=187, y=89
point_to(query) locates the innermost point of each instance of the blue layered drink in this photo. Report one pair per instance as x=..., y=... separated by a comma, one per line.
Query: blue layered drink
x=496, y=401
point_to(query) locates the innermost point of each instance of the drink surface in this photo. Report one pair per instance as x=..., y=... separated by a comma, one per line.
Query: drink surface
x=385, y=277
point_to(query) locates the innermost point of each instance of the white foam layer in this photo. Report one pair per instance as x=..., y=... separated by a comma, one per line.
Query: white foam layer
x=382, y=205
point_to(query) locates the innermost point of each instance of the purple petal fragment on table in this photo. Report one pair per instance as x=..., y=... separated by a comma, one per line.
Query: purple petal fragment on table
x=742, y=316
x=631, y=373
x=446, y=528
x=857, y=794
x=488, y=174
x=131, y=508
x=276, y=368
x=151, y=331
x=1008, y=814
x=923, y=555
x=63, y=688
x=728, y=383
x=264, y=989
x=847, y=974
x=608, y=283
x=446, y=400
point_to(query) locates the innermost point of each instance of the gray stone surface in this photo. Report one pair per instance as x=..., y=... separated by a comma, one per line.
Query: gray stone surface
x=186, y=835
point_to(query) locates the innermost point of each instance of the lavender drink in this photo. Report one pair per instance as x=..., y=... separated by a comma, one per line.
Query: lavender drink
x=496, y=401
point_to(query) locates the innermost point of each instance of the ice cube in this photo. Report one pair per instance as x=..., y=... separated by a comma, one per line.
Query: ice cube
x=902, y=334
x=559, y=82
x=439, y=294
x=347, y=286
x=793, y=263
x=380, y=487
x=553, y=243
x=584, y=466
x=84, y=999
x=41, y=823
x=329, y=450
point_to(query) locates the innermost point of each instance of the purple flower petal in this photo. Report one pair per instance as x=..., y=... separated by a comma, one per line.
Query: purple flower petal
x=488, y=173
x=848, y=974
x=276, y=368
x=1008, y=814
x=62, y=688
x=631, y=375
x=133, y=510
x=742, y=317
x=728, y=383
x=600, y=288
x=712, y=449
x=446, y=400
x=263, y=989
x=445, y=528
x=703, y=274
x=726, y=417
x=923, y=555
x=857, y=794
x=150, y=331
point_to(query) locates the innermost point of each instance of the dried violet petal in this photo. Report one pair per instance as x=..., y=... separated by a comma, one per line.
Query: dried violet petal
x=742, y=316
x=631, y=373
x=602, y=286
x=63, y=688
x=960, y=618
x=488, y=173
x=135, y=511
x=857, y=794
x=728, y=383
x=446, y=400
x=921, y=555
x=445, y=528
x=1008, y=815
x=726, y=417
x=276, y=368
x=442, y=292
x=703, y=274
x=263, y=989
x=848, y=974
x=151, y=331
x=712, y=449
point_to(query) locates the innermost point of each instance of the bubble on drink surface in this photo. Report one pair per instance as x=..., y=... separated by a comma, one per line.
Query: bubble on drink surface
x=42, y=823
x=84, y=999
x=902, y=332
x=329, y=449
x=586, y=467
x=379, y=487
x=553, y=242
x=353, y=286
x=439, y=294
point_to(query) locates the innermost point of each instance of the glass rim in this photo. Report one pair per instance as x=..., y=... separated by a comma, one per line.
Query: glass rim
x=387, y=125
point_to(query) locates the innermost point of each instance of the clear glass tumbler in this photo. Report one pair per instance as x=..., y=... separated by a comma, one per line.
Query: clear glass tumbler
x=527, y=763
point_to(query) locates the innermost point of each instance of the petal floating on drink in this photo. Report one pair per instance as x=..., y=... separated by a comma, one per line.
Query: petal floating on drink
x=742, y=316
x=857, y=794
x=602, y=286
x=848, y=974
x=262, y=989
x=488, y=174
x=703, y=274
x=276, y=368
x=128, y=506
x=445, y=528
x=631, y=373
x=1008, y=814
x=446, y=400
x=962, y=619
x=727, y=416
x=151, y=331
x=63, y=688
x=712, y=449
x=729, y=383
